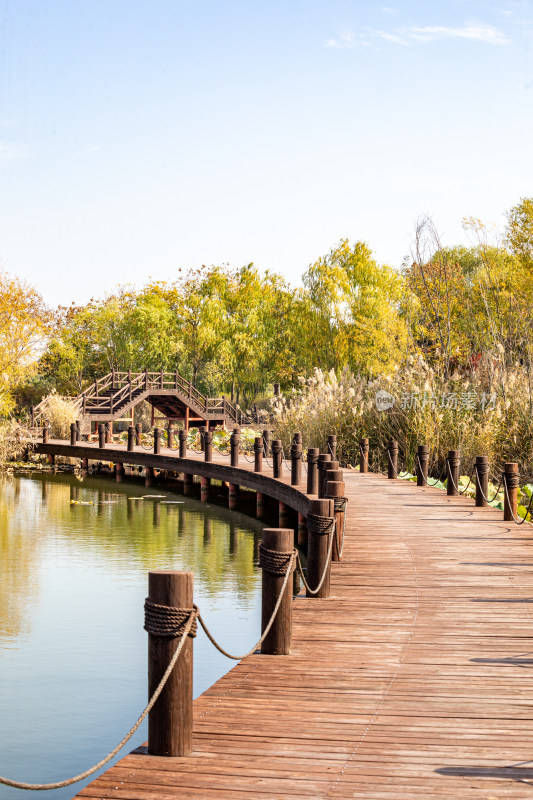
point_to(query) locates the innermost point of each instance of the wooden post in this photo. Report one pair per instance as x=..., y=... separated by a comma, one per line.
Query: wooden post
x=46, y=432
x=108, y=432
x=157, y=442
x=148, y=476
x=422, y=459
x=302, y=531
x=297, y=439
x=205, y=484
x=258, y=454
x=266, y=441
x=296, y=464
x=363, y=460
x=202, y=431
x=392, y=459
x=208, y=446
x=317, y=548
x=331, y=446
x=277, y=448
x=131, y=438
x=510, y=497
x=182, y=438
x=101, y=435
x=170, y=722
x=78, y=431
x=336, y=489
x=312, y=470
x=188, y=481
x=453, y=464
x=260, y=505
x=146, y=379
x=323, y=459
x=233, y=495
x=138, y=434
x=119, y=471
x=482, y=481
x=72, y=434
x=278, y=640
x=176, y=375
x=234, y=441
x=113, y=378
x=170, y=436
x=283, y=515
x=161, y=380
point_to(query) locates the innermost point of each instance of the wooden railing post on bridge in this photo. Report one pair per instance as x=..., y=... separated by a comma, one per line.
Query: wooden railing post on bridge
x=113, y=378
x=161, y=379
x=331, y=446
x=363, y=459
x=208, y=446
x=422, y=461
x=392, y=459
x=277, y=448
x=234, y=442
x=317, y=548
x=482, y=481
x=312, y=470
x=138, y=434
x=170, y=722
x=146, y=381
x=266, y=443
x=201, y=430
x=46, y=432
x=258, y=454
x=170, y=436
x=131, y=438
x=453, y=466
x=510, y=482
x=182, y=438
x=108, y=432
x=157, y=442
x=296, y=463
x=278, y=639
x=323, y=463
x=335, y=490
x=101, y=435
x=72, y=434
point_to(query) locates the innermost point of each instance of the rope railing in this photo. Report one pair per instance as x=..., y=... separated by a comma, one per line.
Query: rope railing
x=519, y=520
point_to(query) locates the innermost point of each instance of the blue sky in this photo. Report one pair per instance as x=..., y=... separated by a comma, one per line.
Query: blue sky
x=140, y=137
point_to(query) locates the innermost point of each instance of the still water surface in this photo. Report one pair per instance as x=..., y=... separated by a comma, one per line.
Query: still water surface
x=73, y=579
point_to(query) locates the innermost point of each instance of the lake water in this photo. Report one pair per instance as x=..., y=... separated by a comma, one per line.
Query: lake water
x=73, y=578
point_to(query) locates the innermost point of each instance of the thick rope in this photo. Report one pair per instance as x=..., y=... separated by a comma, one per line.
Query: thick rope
x=339, y=504
x=398, y=474
x=478, y=484
x=37, y=787
x=428, y=483
x=275, y=561
x=520, y=520
x=328, y=558
x=167, y=621
x=224, y=652
x=453, y=482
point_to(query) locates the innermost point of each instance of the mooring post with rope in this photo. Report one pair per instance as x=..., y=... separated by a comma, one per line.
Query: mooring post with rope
x=510, y=486
x=276, y=556
x=78, y=430
x=331, y=446
x=157, y=442
x=482, y=481
x=312, y=470
x=73, y=434
x=168, y=608
x=258, y=454
x=392, y=457
x=335, y=491
x=297, y=438
x=323, y=460
x=453, y=466
x=101, y=436
x=319, y=534
x=277, y=454
x=422, y=461
x=296, y=463
x=131, y=438
x=138, y=434
x=364, y=447
x=234, y=442
x=46, y=432
x=170, y=436
x=182, y=440
x=266, y=443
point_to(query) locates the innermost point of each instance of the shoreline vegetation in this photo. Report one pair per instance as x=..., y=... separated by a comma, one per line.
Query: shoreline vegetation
x=438, y=351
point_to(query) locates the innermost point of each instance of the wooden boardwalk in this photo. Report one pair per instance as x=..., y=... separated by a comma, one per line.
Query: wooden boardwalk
x=414, y=679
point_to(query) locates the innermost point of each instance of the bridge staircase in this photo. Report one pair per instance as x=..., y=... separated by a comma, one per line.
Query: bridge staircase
x=114, y=396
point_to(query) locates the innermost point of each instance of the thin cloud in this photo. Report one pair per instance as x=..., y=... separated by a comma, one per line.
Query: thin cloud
x=391, y=37
x=12, y=152
x=476, y=32
x=344, y=42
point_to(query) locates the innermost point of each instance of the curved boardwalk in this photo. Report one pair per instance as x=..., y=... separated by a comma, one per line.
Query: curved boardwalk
x=412, y=680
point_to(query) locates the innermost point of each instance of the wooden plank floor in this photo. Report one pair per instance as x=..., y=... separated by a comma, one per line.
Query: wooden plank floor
x=414, y=679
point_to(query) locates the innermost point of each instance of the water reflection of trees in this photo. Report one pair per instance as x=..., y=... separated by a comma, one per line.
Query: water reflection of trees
x=125, y=533
x=19, y=559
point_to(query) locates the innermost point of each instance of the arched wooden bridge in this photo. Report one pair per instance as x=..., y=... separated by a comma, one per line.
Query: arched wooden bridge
x=412, y=680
